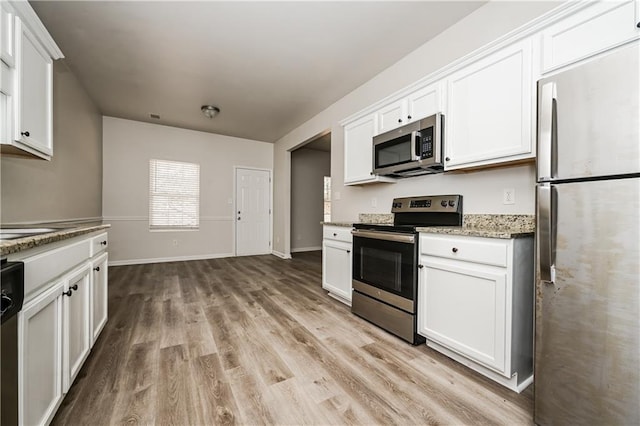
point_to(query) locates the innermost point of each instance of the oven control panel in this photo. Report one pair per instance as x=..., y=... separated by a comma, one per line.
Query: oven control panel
x=430, y=203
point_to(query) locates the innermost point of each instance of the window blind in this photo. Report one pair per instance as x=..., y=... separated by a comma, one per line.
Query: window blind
x=174, y=195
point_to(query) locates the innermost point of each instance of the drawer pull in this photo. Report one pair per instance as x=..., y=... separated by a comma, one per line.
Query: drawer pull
x=97, y=269
x=420, y=266
x=455, y=249
x=335, y=235
x=103, y=243
x=348, y=251
x=67, y=293
x=74, y=287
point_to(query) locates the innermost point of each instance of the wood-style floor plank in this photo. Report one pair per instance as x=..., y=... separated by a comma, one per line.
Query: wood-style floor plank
x=255, y=340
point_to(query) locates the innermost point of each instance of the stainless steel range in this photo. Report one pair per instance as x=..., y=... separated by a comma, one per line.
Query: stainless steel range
x=385, y=262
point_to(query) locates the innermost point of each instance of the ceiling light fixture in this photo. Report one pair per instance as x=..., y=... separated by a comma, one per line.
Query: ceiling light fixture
x=209, y=111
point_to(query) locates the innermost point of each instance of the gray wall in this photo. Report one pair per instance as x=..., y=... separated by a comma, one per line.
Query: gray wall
x=308, y=169
x=128, y=147
x=69, y=187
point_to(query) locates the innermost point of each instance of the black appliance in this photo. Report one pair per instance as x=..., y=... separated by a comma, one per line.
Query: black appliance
x=385, y=262
x=11, y=297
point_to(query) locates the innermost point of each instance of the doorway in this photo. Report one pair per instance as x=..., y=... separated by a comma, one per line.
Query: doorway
x=310, y=172
x=253, y=211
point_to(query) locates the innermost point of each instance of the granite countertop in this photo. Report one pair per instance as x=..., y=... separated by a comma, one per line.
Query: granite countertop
x=489, y=225
x=343, y=224
x=503, y=226
x=28, y=242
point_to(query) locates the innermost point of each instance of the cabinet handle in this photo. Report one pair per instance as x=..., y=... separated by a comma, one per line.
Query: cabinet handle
x=399, y=120
x=638, y=25
x=455, y=249
x=25, y=133
x=335, y=235
x=408, y=117
x=348, y=251
x=103, y=243
x=74, y=287
x=420, y=266
x=67, y=293
x=97, y=269
x=447, y=159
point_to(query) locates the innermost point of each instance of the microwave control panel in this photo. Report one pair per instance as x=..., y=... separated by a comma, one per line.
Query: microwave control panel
x=426, y=143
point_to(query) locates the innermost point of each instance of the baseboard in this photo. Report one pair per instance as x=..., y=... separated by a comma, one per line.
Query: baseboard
x=300, y=250
x=168, y=259
x=280, y=255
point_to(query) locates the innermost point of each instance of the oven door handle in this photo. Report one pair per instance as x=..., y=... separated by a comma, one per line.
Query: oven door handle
x=387, y=236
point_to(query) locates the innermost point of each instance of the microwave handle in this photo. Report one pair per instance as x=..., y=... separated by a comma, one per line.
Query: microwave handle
x=417, y=149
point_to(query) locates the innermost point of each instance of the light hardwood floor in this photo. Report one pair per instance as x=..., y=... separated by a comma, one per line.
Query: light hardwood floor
x=255, y=340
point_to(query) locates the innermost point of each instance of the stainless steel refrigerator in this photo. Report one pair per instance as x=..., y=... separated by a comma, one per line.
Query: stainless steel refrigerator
x=587, y=363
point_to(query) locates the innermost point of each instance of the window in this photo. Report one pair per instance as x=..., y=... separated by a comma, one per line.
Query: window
x=327, y=199
x=174, y=195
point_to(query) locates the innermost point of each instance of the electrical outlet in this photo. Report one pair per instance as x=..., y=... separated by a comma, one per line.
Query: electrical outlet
x=509, y=196
x=175, y=243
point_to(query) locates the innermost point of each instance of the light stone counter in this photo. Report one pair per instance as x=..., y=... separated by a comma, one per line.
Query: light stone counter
x=489, y=226
x=343, y=224
x=25, y=243
x=474, y=225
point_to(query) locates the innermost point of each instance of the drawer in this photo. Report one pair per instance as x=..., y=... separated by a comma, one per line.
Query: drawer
x=41, y=269
x=469, y=249
x=340, y=233
x=99, y=244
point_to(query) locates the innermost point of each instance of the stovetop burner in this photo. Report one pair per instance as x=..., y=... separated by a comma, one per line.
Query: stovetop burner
x=413, y=212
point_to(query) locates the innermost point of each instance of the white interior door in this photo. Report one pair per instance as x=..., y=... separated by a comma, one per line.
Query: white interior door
x=253, y=212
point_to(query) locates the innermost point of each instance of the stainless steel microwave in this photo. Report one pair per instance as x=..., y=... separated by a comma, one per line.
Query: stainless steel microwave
x=411, y=150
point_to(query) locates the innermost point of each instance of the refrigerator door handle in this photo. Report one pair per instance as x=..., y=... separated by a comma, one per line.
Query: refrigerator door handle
x=547, y=131
x=546, y=232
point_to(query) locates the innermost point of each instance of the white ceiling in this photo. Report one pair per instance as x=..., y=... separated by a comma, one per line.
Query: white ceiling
x=269, y=66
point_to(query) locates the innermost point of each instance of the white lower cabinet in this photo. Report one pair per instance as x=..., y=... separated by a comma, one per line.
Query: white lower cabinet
x=99, y=295
x=76, y=337
x=465, y=309
x=475, y=304
x=40, y=357
x=336, y=262
x=58, y=324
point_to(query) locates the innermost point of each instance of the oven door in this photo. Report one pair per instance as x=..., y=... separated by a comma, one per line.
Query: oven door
x=386, y=261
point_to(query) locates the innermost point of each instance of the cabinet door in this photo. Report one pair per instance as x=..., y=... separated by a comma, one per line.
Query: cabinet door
x=99, y=295
x=76, y=337
x=490, y=110
x=33, y=96
x=358, y=149
x=336, y=268
x=463, y=306
x=392, y=116
x=601, y=26
x=7, y=43
x=424, y=102
x=40, y=357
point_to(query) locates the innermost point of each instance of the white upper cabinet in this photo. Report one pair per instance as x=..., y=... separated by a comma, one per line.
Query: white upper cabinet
x=392, y=115
x=425, y=102
x=26, y=115
x=490, y=111
x=592, y=30
x=419, y=104
x=7, y=43
x=358, y=152
x=33, y=103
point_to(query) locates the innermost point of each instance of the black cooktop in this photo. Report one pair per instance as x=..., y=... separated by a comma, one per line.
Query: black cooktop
x=413, y=212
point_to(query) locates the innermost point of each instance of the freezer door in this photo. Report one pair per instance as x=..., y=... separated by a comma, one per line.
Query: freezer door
x=588, y=320
x=589, y=119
